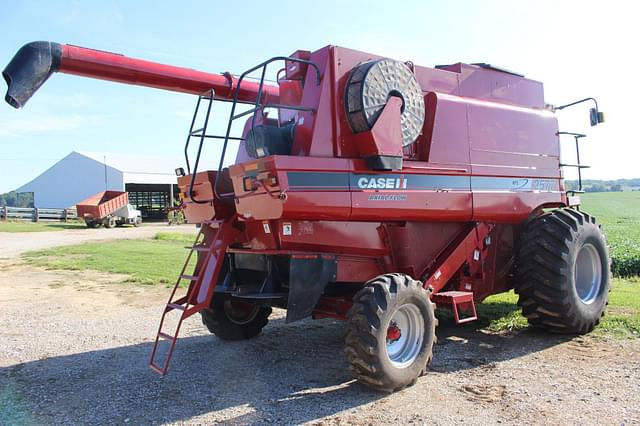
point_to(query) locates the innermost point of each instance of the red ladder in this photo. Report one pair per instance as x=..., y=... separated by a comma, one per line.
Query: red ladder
x=200, y=290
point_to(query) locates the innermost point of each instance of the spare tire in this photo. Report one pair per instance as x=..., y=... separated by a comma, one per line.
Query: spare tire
x=369, y=87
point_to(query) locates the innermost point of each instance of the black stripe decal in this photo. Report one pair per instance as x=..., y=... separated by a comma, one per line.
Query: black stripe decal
x=318, y=181
x=343, y=181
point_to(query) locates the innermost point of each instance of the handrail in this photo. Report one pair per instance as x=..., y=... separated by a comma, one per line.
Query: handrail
x=232, y=115
x=202, y=137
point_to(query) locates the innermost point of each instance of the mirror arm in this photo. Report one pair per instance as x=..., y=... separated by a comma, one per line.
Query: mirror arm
x=596, y=117
x=577, y=102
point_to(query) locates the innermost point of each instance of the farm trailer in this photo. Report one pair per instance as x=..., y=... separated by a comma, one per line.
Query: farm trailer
x=369, y=190
x=108, y=208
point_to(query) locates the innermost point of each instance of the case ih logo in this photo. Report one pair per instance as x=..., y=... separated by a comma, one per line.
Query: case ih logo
x=382, y=183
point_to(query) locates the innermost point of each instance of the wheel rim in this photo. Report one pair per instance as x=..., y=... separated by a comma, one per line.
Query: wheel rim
x=405, y=334
x=588, y=273
x=240, y=312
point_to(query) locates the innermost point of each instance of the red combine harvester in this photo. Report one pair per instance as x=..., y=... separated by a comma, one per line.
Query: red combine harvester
x=369, y=190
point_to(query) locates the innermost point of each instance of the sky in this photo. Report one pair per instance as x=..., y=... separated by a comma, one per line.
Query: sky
x=576, y=48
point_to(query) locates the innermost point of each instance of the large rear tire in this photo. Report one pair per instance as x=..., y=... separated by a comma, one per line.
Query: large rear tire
x=562, y=272
x=390, y=332
x=235, y=320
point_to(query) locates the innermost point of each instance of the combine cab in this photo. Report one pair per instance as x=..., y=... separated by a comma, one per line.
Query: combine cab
x=369, y=190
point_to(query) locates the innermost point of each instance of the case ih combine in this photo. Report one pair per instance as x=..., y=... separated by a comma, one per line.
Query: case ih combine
x=369, y=190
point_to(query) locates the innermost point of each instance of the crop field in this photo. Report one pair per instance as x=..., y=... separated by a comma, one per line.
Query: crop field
x=619, y=215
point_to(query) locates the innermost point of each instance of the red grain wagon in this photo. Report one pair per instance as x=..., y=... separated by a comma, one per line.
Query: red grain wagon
x=108, y=208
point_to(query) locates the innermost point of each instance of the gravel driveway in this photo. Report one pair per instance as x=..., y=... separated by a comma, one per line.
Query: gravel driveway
x=13, y=244
x=75, y=347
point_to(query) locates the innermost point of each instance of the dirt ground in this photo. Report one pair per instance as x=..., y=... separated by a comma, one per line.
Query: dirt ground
x=75, y=348
x=13, y=244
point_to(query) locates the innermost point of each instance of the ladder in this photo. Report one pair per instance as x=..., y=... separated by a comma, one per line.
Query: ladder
x=259, y=106
x=578, y=165
x=199, y=292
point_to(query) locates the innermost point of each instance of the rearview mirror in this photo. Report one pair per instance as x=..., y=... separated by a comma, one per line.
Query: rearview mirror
x=596, y=117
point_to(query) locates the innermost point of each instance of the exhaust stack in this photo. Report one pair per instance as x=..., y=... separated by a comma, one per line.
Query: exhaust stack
x=36, y=61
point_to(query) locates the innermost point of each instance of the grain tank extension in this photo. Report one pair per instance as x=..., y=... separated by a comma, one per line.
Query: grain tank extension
x=369, y=190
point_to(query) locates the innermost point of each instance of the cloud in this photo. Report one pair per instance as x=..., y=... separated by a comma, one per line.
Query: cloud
x=47, y=123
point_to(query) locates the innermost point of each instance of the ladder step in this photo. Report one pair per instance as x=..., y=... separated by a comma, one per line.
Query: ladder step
x=157, y=369
x=165, y=336
x=188, y=277
x=454, y=296
x=198, y=248
x=467, y=319
x=176, y=306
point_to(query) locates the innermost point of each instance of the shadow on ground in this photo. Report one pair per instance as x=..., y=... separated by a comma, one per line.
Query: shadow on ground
x=289, y=374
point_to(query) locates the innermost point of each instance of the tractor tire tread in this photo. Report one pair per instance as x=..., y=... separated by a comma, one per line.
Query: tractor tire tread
x=364, y=347
x=543, y=273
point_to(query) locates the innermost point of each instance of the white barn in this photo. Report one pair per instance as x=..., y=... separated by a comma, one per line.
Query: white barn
x=150, y=181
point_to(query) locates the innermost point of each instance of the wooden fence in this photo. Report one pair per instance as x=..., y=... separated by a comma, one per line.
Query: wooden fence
x=37, y=214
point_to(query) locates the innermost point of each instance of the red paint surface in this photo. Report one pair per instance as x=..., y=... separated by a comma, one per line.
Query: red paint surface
x=114, y=67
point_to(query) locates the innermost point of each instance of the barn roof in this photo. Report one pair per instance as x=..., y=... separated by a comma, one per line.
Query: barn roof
x=138, y=164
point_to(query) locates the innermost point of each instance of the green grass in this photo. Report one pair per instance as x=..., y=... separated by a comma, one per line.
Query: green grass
x=619, y=214
x=39, y=226
x=153, y=261
x=500, y=313
x=175, y=237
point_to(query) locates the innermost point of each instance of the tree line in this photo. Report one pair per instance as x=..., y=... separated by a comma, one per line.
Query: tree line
x=15, y=199
x=593, y=185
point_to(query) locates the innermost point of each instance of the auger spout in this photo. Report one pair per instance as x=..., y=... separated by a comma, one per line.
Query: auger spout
x=34, y=63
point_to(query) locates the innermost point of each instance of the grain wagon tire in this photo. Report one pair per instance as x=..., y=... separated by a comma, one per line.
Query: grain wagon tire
x=109, y=222
x=137, y=221
x=390, y=332
x=92, y=224
x=562, y=272
x=235, y=320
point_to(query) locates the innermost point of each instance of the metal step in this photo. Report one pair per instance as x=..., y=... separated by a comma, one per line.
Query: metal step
x=189, y=277
x=454, y=299
x=166, y=336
